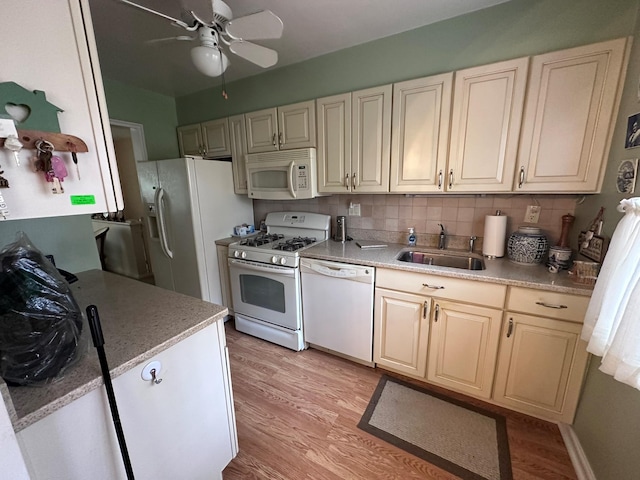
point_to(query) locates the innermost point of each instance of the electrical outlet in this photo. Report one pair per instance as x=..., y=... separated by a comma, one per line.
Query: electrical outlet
x=533, y=214
x=354, y=210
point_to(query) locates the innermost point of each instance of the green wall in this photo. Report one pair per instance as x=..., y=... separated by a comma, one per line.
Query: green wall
x=513, y=29
x=608, y=418
x=156, y=112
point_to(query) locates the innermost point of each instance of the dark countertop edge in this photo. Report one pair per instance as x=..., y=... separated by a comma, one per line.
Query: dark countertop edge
x=499, y=271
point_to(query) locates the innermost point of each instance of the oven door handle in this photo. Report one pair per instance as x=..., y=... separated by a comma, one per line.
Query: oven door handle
x=274, y=269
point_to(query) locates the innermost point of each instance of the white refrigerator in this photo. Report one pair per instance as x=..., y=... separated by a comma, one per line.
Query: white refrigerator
x=190, y=203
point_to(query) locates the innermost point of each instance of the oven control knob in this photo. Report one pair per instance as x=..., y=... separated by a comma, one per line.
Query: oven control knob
x=236, y=254
x=243, y=254
x=274, y=259
x=283, y=261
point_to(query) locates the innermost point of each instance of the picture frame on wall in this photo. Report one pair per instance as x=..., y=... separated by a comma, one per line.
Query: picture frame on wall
x=626, y=176
x=633, y=132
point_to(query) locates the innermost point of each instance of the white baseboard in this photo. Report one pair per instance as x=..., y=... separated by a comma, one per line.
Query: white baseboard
x=576, y=453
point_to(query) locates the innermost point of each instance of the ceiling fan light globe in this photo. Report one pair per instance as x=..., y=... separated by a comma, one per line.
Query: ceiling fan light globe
x=209, y=61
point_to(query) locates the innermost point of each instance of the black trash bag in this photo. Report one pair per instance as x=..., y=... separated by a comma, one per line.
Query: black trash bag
x=40, y=321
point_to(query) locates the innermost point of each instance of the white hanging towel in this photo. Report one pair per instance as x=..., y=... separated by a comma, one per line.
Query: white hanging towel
x=612, y=322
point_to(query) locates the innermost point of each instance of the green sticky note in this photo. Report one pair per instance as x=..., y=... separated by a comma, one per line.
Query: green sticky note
x=83, y=200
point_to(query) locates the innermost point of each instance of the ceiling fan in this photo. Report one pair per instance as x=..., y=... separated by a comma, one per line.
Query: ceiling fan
x=208, y=57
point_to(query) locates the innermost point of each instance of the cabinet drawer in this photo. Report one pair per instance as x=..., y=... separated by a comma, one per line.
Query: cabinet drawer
x=481, y=293
x=548, y=304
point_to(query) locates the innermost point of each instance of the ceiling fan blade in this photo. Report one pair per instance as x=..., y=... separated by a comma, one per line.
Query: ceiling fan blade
x=185, y=38
x=261, y=56
x=174, y=20
x=257, y=26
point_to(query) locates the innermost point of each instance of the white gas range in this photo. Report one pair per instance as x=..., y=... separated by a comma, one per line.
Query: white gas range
x=265, y=276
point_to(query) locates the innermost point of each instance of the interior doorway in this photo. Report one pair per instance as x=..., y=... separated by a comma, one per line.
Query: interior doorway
x=126, y=242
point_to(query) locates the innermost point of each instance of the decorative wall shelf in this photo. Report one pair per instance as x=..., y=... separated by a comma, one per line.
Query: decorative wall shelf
x=61, y=141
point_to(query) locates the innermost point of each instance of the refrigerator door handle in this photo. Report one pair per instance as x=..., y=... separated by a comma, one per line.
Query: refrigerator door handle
x=162, y=231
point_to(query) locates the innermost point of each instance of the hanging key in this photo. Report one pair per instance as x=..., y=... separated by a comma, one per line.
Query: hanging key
x=13, y=144
x=4, y=183
x=4, y=210
x=59, y=173
x=74, y=150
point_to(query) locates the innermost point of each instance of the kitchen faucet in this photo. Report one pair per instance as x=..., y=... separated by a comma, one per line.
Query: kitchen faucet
x=443, y=237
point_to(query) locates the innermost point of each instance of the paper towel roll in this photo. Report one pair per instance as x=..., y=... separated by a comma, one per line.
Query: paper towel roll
x=495, y=232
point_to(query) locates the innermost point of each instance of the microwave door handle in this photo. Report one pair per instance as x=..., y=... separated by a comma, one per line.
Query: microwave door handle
x=291, y=179
x=162, y=231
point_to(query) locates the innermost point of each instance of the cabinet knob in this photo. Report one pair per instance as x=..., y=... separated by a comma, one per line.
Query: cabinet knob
x=451, y=179
x=510, y=329
x=551, y=305
x=440, y=180
x=346, y=181
x=280, y=139
x=273, y=139
x=521, y=180
x=353, y=182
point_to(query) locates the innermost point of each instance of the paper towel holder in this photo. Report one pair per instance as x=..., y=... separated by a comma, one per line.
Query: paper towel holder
x=488, y=249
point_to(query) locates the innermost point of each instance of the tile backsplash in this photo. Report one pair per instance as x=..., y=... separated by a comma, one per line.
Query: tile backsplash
x=388, y=217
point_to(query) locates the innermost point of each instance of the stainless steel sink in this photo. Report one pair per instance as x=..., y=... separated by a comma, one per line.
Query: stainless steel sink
x=463, y=261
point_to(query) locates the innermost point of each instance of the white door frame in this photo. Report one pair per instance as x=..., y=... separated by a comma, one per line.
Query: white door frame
x=137, y=138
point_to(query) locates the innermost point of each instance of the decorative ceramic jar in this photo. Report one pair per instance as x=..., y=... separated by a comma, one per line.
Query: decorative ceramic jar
x=527, y=246
x=559, y=257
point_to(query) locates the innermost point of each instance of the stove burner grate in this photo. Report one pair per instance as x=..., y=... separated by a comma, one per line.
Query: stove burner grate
x=293, y=244
x=261, y=239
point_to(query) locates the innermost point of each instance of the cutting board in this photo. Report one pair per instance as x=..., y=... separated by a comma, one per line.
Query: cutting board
x=370, y=244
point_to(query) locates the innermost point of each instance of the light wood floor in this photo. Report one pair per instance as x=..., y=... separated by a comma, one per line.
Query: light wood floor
x=297, y=414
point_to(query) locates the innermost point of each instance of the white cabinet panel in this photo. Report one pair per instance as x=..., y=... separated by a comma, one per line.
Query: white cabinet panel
x=569, y=118
x=73, y=84
x=190, y=140
x=487, y=112
x=283, y=128
x=371, y=138
x=420, y=133
x=238, y=139
x=334, y=143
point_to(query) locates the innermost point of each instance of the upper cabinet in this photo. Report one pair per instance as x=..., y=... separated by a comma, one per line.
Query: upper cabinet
x=238, y=137
x=420, y=133
x=334, y=143
x=569, y=118
x=208, y=139
x=370, y=139
x=74, y=102
x=282, y=128
x=354, y=134
x=487, y=112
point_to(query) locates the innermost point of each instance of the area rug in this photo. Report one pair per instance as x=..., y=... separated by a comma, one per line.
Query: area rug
x=463, y=439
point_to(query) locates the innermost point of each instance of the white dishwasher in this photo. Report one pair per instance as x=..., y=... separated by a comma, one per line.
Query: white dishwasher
x=337, y=307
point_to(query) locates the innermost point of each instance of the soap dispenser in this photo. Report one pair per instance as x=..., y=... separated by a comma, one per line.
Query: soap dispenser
x=412, y=237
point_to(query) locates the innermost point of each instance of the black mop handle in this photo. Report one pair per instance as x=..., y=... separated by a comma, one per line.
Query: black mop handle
x=98, y=342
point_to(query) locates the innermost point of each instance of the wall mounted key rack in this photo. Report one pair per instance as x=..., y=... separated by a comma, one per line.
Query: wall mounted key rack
x=62, y=142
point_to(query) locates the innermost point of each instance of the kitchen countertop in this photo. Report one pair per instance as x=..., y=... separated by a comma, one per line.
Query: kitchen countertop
x=498, y=270
x=138, y=321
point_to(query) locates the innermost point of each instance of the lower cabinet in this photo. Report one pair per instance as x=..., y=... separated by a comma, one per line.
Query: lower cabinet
x=542, y=361
x=513, y=346
x=463, y=347
x=183, y=427
x=401, y=326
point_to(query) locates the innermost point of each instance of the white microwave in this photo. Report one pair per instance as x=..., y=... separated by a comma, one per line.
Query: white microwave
x=282, y=175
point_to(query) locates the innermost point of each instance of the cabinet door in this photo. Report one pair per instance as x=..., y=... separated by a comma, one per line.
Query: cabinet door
x=215, y=136
x=463, y=347
x=262, y=130
x=334, y=143
x=487, y=113
x=238, y=138
x=297, y=125
x=420, y=133
x=401, y=332
x=540, y=366
x=190, y=140
x=371, y=138
x=569, y=118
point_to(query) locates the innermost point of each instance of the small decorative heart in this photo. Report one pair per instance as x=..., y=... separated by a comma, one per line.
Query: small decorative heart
x=18, y=112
